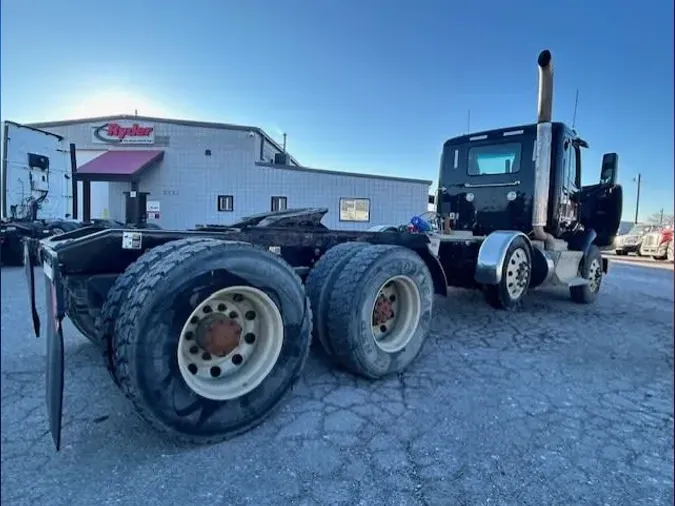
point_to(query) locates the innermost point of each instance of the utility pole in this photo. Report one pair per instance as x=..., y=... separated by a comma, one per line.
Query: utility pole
x=661, y=218
x=468, y=121
x=637, y=201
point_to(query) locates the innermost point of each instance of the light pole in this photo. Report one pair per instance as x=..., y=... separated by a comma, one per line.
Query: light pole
x=638, y=179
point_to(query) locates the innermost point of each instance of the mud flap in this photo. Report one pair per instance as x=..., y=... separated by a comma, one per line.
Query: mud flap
x=29, y=268
x=55, y=362
x=55, y=308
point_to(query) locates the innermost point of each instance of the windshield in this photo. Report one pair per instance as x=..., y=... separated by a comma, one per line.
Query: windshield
x=495, y=159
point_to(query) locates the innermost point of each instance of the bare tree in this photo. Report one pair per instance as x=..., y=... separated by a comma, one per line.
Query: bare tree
x=661, y=218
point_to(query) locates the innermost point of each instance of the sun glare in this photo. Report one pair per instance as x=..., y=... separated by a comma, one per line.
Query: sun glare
x=116, y=102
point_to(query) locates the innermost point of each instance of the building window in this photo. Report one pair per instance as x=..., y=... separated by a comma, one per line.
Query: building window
x=225, y=203
x=279, y=203
x=354, y=209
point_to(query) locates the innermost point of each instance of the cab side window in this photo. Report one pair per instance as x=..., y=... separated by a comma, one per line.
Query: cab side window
x=571, y=178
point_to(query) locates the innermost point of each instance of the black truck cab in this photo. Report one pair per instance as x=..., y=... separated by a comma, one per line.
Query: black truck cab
x=487, y=183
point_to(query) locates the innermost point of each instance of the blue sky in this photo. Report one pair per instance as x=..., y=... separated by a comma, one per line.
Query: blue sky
x=358, y=85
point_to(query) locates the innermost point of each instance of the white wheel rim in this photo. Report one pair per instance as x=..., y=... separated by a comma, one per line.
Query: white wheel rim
x=517, y=273
x=217, y=361
x=594, y=275
x=396, y=313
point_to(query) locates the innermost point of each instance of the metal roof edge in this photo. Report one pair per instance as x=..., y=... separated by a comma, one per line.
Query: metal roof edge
x=154, y=119
x=342, y=173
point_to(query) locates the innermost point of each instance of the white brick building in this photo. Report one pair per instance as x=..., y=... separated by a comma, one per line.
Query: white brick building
x=212, y=173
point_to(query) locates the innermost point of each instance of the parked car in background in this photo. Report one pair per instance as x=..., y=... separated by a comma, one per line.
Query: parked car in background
x=632, y=240
x=656, y=243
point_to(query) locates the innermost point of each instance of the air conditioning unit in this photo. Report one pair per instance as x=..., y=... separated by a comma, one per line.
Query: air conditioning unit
x=282, y=159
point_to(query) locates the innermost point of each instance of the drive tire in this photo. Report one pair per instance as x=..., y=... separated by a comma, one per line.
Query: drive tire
x=150, y=328
x=503, y=295
x=62, y=227
x=84, y=324
x=350, y=310
x=591, y=265
x=120, y=290
x=319, y=285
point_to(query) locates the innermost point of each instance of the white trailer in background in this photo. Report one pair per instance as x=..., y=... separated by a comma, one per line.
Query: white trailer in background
x=40, y=188
x=37, y=188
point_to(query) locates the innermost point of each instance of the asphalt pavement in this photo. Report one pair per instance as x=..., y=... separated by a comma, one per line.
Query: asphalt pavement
x=556, y=404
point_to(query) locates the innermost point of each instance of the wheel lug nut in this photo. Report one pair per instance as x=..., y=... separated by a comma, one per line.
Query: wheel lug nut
x=189, y=336
x=392, y=298
x=215, y=371
x=250, y=315
x=392, y=314
x=194, y=320
x=222, y=307
x=249, y=338
x=237, y=359
x=192, y=368
x=238, y=297
x=207, y=309
x=194, y=349
x=206, y=355
x=383, y=328
x=233, y=315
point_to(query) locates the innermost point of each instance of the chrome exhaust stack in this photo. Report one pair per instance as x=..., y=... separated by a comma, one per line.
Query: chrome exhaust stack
x=542, y=170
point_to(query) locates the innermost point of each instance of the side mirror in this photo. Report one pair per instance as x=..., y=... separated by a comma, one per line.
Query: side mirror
x=610, y=168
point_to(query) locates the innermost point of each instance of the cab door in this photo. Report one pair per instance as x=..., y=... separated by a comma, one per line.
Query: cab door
x=601, y=204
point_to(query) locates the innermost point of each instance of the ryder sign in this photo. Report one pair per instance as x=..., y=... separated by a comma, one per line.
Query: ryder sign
x=123, y=132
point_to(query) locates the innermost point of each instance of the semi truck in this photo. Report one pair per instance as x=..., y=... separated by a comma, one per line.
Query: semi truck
x=39, y=193
x=222, y=317
x=37, y=190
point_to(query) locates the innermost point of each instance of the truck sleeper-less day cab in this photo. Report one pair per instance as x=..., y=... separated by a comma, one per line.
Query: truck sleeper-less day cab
x=221, y=318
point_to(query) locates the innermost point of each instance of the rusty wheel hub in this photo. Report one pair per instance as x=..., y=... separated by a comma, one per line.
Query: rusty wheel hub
x=384, y=310
x=230, y=342
x=396, y=312
x=219, y=335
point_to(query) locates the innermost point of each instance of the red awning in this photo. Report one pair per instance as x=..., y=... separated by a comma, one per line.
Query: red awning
x=118, y=165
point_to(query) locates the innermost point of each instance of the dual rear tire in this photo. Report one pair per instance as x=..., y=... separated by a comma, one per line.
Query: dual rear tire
x=373, y=307
x=206, y=337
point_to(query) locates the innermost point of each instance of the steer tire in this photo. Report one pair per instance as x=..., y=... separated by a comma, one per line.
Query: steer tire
x=319, y=286
x=499, y=296
x=120, y=290
x=587, y=294
x=149, y=329
x=351, y=334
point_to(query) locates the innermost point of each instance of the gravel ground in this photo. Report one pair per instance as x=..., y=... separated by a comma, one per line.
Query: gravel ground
x=555, y=404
